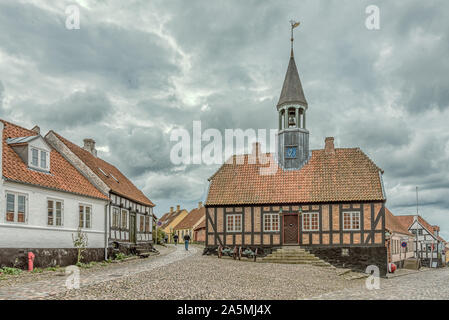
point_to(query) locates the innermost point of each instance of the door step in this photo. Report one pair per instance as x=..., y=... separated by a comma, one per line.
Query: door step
x=294, y=255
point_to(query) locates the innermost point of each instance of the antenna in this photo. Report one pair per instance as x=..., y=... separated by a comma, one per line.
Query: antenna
x=417, y=203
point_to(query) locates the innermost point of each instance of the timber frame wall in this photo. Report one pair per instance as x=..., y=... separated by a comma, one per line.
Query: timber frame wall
x=329, y=234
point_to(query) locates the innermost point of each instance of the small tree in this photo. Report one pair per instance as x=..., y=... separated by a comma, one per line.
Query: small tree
x=80, y=242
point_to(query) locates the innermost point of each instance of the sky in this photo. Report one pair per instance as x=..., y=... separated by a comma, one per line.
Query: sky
x=136, y=70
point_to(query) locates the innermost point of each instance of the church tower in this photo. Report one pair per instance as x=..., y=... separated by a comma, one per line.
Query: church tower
x=293, y=137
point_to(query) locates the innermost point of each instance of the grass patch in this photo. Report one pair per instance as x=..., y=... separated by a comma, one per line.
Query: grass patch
x=10, y=271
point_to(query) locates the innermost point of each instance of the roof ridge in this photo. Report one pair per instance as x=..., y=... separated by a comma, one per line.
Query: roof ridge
x=20, y=127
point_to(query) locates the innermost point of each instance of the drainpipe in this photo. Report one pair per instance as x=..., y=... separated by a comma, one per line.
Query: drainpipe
x=106, y=230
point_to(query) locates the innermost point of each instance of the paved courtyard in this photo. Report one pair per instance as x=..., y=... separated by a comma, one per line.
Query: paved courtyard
x=177, y=274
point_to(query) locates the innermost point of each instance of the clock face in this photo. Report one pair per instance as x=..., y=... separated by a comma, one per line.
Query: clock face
x=290, y=152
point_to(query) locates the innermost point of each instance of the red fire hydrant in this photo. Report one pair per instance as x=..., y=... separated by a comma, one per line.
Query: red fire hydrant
x=30, y=261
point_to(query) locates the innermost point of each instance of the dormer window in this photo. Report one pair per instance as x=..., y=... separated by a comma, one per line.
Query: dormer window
x=39, y=159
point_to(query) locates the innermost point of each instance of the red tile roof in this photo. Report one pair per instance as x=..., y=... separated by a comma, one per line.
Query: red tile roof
x=346, y=175
x=191, y=219
x=202, y=225
x=123, y=187
x=394, y=225
x=63, y=176
x=407, y=221
x=168, y=217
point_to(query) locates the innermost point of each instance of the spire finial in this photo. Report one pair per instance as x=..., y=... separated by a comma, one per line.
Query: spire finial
x=294, y=24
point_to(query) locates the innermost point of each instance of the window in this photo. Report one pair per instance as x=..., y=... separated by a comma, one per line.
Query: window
x=271, y=222
x=39, y=159
x=147, y=224
x=115, y=217
x=35, y=157
x=85, y=216
x=310, y=221
x=124, y=219
x=15, y=207
x=419, y=232
x=234, y=223
x=54, y=213
x=141, y=223
x=351, y=220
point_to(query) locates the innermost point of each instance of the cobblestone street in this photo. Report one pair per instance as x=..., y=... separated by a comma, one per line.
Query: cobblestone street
x=177, y=274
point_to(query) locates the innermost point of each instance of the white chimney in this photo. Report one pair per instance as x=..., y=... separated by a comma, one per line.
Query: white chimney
x=200, y=204
x=89, y=145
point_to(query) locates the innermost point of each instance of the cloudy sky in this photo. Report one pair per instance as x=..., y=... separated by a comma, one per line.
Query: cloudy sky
x=135, y=70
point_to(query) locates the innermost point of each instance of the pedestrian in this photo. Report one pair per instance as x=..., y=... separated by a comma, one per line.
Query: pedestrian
x=186, y=241
x=166, y=238
x=175, y=238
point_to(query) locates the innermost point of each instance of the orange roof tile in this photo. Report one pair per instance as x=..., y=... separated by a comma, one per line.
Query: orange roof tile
x=202, y=225
x=63, y=176
x=394, y=225
x=346, y=175
x=191, y=218
x=123, y=187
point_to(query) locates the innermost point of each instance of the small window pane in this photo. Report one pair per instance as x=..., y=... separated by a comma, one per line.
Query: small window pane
x=88, y=217
x=58, y=213
x=43, y=160
x=10, y=200
x=50, y=212
x=34, y=157
x=21, y=209
x=81, y=224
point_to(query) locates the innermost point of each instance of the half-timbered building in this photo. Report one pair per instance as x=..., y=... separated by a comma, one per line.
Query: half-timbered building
x=430, y=245
x=130, y=212
x=399, y=241
x=330, y=201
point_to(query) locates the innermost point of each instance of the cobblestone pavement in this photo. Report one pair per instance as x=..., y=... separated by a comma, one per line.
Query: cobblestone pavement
x=54, y=284
x=207, y=277
x=423, y=285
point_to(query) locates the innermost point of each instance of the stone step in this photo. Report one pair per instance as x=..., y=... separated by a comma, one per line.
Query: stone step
x=276, y=254
x=292, y=258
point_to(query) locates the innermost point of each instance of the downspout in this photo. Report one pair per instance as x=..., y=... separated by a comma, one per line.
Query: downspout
x=106, y=230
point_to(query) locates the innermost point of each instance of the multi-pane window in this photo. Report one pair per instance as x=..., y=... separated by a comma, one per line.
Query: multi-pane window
x=115, y=217
x=15, y=207
x=85, y=216
x=351, y=220
x=124, y=219
x=310, y=221
x=271, y=222
x=147, y=224
x=54, y=212
x=141, y=223
x=234, y=223
x=39, y=159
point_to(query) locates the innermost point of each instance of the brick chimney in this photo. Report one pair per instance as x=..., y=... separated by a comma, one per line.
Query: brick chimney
x=36, y=129
x=329, y=145
x=178, y=208
x=89, y=145
x=200, y=204
x=171, y=209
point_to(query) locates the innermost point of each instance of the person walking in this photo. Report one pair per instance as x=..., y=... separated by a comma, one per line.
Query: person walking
x=166, y=238
x=175, y=238
x=186, y=241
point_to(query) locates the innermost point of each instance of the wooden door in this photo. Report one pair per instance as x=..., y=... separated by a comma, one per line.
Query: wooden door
x=291, y=229
x=132, y=228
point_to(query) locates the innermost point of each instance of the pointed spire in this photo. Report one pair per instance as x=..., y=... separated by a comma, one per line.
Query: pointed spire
x=292, y=91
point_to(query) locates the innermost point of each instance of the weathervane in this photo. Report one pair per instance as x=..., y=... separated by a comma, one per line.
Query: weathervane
x=294, y=24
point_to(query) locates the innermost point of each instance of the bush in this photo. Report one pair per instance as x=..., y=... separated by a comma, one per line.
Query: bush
x=120, y=256
x=7, y=270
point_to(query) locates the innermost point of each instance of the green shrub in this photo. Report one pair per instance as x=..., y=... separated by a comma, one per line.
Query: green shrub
x=120, y=256
x=7, y=270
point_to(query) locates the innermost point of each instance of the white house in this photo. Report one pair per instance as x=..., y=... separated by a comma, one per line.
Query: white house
x=430, y=246
x=43, y=202
x=130, y=213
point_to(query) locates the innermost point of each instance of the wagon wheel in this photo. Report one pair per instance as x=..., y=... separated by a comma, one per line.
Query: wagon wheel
x=255, y=254
x=220, y=253
x=234, y=253
x=240, y=253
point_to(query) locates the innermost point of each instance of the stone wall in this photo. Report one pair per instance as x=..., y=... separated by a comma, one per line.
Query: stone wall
x=357, y=258
x=18, y=258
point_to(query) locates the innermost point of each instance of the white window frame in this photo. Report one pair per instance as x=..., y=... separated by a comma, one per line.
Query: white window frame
x=271, y=215
x=83, y=225
x=16, y=207
x=351, y=220
x=39, y=159
x=309, y=227
x=54, y=212
x=233, y=216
